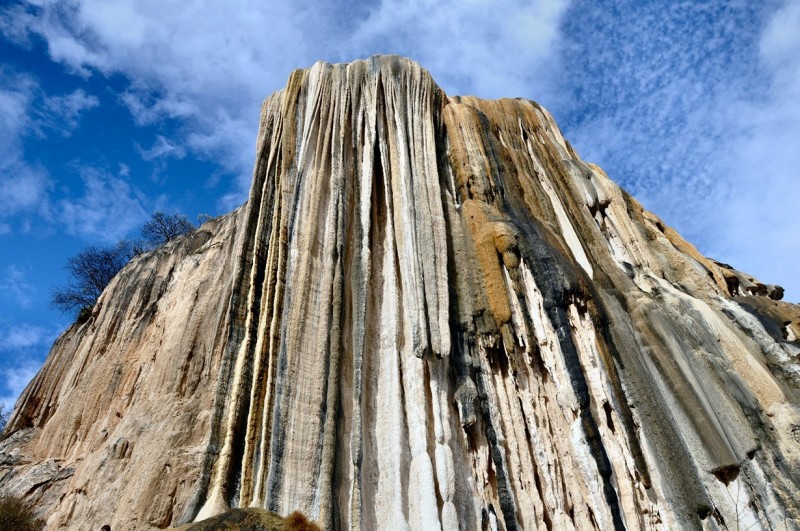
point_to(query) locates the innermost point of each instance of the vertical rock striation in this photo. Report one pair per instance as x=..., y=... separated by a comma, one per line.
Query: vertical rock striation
x=431, y=313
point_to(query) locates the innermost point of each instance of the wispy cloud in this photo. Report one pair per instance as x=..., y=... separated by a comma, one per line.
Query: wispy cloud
x=210, y=65
x=63, y=112
x=22, y=336
x=650, y=92
x=149, y=107
x=492, y=49
x=15, y=285
x=14, y=379
x=108, y=209
x=761, y=222
x=206, y=64
x=23, y=347
x=24, y=185
x=162, y=147
x=15, y=99
x=26, y=110
x=690, y=105
x=693, y=107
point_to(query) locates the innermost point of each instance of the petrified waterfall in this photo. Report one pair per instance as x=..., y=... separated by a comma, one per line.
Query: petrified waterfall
x=430, y=313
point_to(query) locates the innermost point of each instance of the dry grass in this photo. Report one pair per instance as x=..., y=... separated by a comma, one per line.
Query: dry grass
x=297, y=521
x=19, y=515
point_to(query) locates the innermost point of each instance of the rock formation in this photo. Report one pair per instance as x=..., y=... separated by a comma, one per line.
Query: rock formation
x=430, y=313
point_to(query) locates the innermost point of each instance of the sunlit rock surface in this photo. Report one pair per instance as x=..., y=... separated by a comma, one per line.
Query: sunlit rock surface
x=430, y=313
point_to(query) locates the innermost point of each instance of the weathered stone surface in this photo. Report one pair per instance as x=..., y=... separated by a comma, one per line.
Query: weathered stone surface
x=431, y=313
x=125, y=400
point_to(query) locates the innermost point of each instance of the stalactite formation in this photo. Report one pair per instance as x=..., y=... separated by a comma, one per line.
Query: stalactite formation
x=430, y=313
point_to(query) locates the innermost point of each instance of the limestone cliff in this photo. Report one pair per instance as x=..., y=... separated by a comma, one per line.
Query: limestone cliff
x=430, y=313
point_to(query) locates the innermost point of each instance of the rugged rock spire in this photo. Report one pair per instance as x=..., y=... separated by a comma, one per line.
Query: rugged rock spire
x=430, y=313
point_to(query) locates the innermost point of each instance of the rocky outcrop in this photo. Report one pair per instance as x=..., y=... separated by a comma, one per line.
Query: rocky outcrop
x=115, y=426
x=431, y=313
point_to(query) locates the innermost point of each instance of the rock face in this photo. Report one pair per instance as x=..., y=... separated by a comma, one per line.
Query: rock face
x=430, y=313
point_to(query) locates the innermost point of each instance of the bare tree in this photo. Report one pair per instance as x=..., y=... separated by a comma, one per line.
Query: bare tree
x=165, y=227
x=92, y=269
x=90, y=272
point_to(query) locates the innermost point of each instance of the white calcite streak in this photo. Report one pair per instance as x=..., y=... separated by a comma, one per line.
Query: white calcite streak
x=567, y=230
x=429, y=314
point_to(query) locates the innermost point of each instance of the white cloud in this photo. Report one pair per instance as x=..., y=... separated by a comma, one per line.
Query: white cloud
x=693, y=107
x=210, y=65
x=207, y=64
x=16, y=285
x=148, y=108
x=763, y=229
x=63, y=112
x=492, y=49
x=24, y=186
x=14, y=379
x=15, y=99
x=23, y=347
x=13, y=24
x=779, y=45
x=108, y=209
x=23, y=336
x=26, y=110
x=161, y=148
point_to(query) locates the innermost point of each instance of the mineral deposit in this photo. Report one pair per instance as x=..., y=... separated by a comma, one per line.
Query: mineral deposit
x=430, y=313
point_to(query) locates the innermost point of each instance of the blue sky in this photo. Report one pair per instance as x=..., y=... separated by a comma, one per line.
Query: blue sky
x=112, y=109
